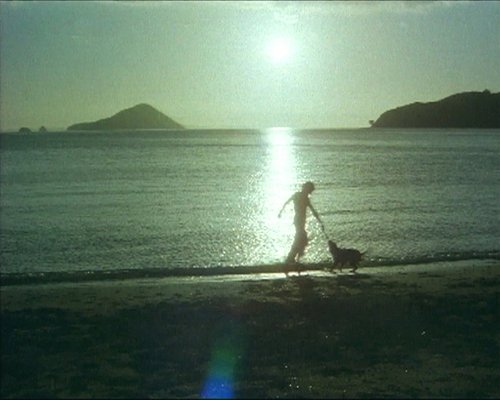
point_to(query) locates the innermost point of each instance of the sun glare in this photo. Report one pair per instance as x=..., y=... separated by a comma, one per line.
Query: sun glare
x=279, y=50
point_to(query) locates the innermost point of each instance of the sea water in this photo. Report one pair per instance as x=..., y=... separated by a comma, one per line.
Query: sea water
x=131, y=201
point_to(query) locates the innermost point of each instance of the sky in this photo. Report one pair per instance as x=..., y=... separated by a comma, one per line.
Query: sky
x=212, y=64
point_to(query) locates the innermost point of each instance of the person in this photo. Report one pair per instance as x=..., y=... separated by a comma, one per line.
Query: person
x=300, y=203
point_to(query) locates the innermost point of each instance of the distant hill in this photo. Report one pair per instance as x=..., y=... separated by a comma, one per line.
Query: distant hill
x=462, y=110
x=141, y=116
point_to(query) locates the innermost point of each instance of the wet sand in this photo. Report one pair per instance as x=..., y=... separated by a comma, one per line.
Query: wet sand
x=415, y=331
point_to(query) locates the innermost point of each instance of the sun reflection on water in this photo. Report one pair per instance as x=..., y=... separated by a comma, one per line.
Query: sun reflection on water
x=279, y=184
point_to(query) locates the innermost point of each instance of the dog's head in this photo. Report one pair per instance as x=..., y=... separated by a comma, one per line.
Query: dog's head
x=332, y=246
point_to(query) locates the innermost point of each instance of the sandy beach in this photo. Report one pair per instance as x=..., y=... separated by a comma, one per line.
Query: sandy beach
x=394, y=332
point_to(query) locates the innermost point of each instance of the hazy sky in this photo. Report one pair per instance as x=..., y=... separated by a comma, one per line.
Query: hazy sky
x=240, y=64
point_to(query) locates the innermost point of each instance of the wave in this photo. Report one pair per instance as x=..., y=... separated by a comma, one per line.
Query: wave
x=196, y=271
x=368, y=210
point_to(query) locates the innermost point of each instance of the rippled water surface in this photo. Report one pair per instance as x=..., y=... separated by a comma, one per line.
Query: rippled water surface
x=133, y=200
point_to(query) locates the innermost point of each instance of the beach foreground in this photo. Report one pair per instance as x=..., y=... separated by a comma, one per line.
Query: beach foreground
x=415, y=331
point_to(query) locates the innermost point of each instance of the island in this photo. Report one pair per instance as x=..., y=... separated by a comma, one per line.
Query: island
x=462, y=110
x=141, y=116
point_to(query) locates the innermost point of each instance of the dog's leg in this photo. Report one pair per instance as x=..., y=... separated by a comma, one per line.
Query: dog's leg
x=334, y=267
x=354, y=267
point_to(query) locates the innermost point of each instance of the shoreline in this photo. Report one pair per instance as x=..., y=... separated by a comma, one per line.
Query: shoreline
x=76, y=277
x=174, y=288
x=408, y=331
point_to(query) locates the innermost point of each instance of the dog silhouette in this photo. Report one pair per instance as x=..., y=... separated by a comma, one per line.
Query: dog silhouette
x=343, y=257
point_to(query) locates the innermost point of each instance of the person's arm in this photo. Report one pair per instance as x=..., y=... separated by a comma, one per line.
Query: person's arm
x=284, y=205
x=316, y=215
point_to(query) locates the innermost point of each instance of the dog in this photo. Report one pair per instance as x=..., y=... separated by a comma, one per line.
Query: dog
x=343, y=257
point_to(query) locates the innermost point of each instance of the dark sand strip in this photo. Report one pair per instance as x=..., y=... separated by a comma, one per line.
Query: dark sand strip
x=416, y=331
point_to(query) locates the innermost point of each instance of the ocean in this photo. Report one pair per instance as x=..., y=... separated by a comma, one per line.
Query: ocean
x=140, y=203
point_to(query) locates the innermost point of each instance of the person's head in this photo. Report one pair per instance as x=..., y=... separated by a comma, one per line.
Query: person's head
x=308, y=187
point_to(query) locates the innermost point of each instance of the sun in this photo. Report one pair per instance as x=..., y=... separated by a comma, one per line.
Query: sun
x=279, y=50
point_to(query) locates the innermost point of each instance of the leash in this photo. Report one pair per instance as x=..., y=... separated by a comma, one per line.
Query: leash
x=324, y=233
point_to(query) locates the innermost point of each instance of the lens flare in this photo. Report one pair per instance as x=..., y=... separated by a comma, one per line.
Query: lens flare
x=219, y=384
x=226, y=354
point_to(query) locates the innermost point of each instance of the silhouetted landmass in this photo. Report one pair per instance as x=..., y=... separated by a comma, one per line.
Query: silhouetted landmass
x=142, y=116
x=462, y=110
x=42, y=129
x=25, y=130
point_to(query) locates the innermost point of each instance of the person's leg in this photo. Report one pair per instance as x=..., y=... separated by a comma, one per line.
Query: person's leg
x=296, y=246
x=300, y=243
x=291, y=254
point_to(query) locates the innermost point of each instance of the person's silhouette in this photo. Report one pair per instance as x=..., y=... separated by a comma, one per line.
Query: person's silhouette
x=300, y=203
